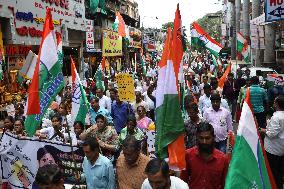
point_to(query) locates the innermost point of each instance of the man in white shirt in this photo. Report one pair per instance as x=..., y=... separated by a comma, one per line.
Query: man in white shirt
x=205, y=102
x=159, y=178
x=104, y=101
x=139, y=102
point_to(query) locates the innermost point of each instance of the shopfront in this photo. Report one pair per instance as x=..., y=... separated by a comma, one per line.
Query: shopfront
x=21, y=23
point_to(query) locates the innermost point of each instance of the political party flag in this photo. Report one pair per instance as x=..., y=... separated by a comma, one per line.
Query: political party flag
x=169, y=122
x=80, y=105
x=248, y=167
x=99, y=74
x=243, y=47
x=200, y=38
x=222, y=80
x=47, y=78
x=119, y=24
x=59, y=47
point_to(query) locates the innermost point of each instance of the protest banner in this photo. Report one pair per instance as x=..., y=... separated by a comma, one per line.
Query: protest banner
x=125, y=85
x=112, y=44
x=21, y=158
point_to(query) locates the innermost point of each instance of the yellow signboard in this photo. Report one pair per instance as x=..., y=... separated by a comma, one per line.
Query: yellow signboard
x=125, y=85
x=112, y=44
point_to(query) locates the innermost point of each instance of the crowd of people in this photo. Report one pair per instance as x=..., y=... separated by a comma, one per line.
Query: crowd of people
x=114, y=138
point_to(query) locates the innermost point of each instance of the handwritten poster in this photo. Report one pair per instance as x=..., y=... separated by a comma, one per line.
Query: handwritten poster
x=112, y=44
x=21, y=158
x=125, y=85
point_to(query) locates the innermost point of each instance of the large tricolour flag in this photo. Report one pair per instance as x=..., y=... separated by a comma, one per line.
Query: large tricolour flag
x=169, y=122
x=200, y=38
x=248, y=167
x=80, y=105
x=47, y=79
x=243, y=47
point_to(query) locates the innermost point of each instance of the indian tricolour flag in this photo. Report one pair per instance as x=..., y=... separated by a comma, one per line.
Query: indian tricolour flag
x=243, y=47
x=169, y=122
x=47, y=80
x=200, y=38
x=248, y=167
x=80, y=105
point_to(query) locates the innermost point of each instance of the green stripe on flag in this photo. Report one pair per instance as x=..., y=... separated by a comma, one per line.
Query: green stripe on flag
x=245, y=172
x=168, y=118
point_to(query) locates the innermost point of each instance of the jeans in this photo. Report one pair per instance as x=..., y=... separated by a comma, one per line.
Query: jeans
x=221, y=145
x=233, y=107
x=261, y=119
x=276, y=164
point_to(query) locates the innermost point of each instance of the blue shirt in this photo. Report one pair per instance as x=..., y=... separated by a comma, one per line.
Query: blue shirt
x=119, y=113
x=101, y=111
x=257, y=97
x=100, y=175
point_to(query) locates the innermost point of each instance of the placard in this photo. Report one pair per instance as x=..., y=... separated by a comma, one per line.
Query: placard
x=125, y=85
x=112, y=44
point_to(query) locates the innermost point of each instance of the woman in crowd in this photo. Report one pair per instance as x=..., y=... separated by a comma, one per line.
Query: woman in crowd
x=106, y=135
x=19, y=111
x=65, y=115
x=9, y=124
x=131, y=129
x=19, y=128
x=143, y=121
x=78, y=130
x=56, y=133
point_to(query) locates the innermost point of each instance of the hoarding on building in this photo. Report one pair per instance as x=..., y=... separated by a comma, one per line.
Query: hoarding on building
x=274, y=10
x=27, y=18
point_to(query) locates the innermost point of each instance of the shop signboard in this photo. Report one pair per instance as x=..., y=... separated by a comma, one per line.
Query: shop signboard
x=29, y=18
x=112, y=43
x=90, y=42
x=274, y=10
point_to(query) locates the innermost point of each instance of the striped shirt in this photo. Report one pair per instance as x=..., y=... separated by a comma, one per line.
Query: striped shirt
x=257, y=97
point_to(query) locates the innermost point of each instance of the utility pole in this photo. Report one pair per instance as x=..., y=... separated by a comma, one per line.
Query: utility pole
x=238, y=19
x=233, y=30
x=269, y=52
x=255, y=13
x=246, y=28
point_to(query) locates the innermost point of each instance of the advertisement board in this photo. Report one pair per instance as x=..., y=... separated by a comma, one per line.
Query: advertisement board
x=274, y=10
x=28, y=19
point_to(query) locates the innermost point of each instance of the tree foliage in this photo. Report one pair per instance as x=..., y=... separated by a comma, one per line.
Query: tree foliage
x=166, y=25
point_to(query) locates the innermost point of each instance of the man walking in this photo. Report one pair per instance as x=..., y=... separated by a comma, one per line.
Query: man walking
x=221, y=120
x=206, y=167
x=97, y=169
x=131, y=164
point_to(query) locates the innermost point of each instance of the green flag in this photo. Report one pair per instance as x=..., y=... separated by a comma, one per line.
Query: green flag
x=94, y=5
